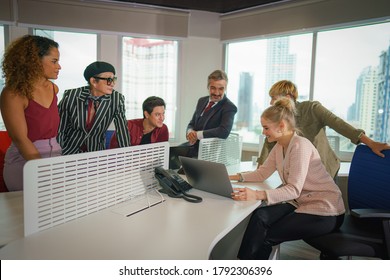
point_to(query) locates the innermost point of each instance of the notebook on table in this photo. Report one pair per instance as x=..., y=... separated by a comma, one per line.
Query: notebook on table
x=208, y=176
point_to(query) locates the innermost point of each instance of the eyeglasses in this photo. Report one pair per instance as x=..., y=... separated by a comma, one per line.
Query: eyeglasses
x=108, y=80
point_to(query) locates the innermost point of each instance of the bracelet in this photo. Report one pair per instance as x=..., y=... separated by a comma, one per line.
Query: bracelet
x=360, y=137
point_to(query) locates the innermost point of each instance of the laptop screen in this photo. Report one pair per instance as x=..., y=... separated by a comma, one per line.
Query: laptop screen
x=207, y=176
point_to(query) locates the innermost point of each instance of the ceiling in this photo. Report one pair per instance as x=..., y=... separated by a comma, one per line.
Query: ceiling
x=216, y=6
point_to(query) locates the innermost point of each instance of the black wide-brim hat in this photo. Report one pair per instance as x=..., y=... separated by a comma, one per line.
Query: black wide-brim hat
x=96, y=68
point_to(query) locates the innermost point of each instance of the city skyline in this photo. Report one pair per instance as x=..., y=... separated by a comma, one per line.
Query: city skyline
x=341, y=56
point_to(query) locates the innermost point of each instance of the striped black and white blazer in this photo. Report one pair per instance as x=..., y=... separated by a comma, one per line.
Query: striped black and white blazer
x=72, y=133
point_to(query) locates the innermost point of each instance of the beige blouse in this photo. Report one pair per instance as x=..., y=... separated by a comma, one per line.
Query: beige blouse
x=305, y=179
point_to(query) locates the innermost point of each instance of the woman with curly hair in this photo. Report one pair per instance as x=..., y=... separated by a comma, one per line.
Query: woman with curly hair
x=28, y=104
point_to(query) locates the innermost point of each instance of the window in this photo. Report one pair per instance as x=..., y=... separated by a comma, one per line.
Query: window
x=77, y=51
x=254, y=66
x=149, y=67
x=2, y=81
x=2, y=46
x=351, y=78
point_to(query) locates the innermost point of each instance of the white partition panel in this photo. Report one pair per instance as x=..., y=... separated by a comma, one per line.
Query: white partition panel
x=226, y=151
x=61, y=189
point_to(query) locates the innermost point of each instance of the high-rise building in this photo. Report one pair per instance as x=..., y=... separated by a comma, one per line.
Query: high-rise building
x=244, y=118
x=281, y=65
x=366, y=100
x=382, y=131
x=149, y=69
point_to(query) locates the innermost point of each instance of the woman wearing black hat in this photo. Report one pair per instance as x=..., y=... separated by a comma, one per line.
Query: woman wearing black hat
x=87, y=112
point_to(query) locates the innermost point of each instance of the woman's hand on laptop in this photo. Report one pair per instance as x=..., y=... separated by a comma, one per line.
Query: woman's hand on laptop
x=235, y=177
x=248, y=194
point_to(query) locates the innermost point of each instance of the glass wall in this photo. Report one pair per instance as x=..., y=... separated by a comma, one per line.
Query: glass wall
x=350, y=77
x=77, y=50
x=149, y=68
x=254, y=66
x=2, y=81
x=2, y=45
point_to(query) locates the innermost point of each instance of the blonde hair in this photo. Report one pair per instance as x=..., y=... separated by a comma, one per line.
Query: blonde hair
x=284, y=88
x=283, y=109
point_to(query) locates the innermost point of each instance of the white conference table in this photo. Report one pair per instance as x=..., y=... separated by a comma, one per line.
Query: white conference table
x=11, y=216
x=173, y=229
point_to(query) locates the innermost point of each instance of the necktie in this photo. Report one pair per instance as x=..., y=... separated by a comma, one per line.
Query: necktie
x=211, y=103
x=93, y=104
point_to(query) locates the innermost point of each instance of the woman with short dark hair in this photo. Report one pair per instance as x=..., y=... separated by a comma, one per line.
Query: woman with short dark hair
x=87, y=112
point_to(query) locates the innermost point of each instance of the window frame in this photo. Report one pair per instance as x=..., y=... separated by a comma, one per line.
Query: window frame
x=256, y=147
x=174, y=112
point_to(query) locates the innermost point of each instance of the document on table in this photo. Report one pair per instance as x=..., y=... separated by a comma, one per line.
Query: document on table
x=139, y=203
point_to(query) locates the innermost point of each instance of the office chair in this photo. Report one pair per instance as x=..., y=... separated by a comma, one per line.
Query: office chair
x=227, y=151
x=5, y=142
x=109, y=134
x=366, y=228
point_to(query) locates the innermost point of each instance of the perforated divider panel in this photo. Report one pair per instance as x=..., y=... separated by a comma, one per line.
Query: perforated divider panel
x=226, y=151
x=61, y=189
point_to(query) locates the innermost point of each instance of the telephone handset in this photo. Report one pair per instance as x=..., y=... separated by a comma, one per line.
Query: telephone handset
x=174, y=185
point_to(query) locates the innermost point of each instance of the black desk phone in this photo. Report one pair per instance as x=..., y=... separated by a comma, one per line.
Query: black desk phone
x=174, y=185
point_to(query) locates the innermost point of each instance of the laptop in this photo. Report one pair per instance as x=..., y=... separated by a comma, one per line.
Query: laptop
x=208, y=176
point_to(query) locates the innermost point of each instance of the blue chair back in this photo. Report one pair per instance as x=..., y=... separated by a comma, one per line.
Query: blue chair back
x=369, y=180
x=109, y=134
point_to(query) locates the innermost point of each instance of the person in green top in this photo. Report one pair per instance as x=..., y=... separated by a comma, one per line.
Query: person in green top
x=312, y=118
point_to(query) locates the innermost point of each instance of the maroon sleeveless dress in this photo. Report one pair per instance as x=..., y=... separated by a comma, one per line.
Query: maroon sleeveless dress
x=42, y=126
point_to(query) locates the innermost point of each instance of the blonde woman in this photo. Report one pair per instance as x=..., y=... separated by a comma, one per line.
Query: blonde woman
x=307, y=204
x=312, y=118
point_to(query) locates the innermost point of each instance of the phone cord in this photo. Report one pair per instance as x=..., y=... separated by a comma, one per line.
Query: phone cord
x=191, y=198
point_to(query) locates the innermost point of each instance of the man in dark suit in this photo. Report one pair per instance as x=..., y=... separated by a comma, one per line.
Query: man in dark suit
x=213, y=116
